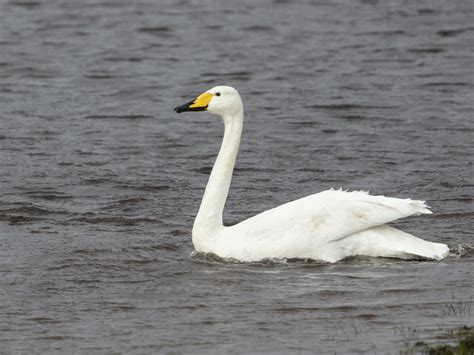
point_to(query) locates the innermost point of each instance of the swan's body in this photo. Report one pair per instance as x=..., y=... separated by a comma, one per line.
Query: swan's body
x=327, y=226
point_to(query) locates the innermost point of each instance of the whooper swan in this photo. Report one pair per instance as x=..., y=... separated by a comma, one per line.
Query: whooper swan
x=327, y=226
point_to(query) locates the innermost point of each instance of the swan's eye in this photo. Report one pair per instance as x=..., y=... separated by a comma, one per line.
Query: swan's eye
x=218, y=94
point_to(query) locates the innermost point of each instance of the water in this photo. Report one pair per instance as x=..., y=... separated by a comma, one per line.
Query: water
x=101, y=180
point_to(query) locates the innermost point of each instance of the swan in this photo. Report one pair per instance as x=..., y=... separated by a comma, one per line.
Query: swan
x=327, y=226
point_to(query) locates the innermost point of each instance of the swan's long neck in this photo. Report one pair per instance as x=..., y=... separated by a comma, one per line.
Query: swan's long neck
x=209, y=217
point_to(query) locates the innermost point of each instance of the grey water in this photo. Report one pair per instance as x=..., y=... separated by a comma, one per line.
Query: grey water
x=100, y=180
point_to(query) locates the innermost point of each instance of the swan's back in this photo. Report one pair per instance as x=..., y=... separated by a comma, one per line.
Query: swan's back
x=315, y=226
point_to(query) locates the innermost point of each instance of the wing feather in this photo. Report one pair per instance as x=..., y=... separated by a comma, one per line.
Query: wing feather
x=334, y=214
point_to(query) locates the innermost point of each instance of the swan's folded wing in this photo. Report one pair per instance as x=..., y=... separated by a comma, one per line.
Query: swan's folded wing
x=335, y=214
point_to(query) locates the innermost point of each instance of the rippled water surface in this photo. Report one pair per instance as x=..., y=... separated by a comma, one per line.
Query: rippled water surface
x=100, y=179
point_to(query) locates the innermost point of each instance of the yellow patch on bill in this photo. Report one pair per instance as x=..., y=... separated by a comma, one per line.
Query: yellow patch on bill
x=202, y=100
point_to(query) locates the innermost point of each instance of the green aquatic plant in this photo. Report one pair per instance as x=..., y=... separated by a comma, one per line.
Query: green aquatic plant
x=458, y=307
x=464, y=344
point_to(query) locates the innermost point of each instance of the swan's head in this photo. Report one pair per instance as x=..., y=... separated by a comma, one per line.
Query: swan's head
x=220, y=100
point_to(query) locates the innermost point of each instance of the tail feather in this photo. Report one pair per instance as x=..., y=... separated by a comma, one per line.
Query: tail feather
x=386, y=241
x=420, y=206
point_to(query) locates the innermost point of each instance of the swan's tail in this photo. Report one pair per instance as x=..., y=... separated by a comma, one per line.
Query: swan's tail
x=386, y=241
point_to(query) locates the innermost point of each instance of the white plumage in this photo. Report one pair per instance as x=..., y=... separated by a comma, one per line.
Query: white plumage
x=327, y=226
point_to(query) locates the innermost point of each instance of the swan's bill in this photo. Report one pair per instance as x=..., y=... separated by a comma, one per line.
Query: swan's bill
x=198, y=104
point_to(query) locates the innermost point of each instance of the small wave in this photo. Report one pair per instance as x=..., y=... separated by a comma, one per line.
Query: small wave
x=36, y=73
x=99, y=76
x=96, y=181
x=30, y=210
x=165, y=247
x=147, y=188
x=448, y=83
x=44, y=320
x=119, y=117
x=425, y=11
x=122, y=307
x=230, y=74
x=402, y=291
x=258, y=28
x=213, y=258
x=90, y=252
x=304, y=123
x=315, y=309
x=206, y=170
x=126, y=202
x=26, y=4
x=47, y=195
x=18, y=219
x=382, y=33
x=115, y=220
x=124, y=59
x=343, y=107
x=355, y=117
x=455, y=215
x=454, y=32
x=431, y=50
x=156, y=30
x=254, y=169
x=462, y=251
x=180, y=232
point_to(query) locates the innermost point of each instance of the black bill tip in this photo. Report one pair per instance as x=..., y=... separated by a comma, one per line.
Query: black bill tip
x=186, y=107
x=179, y=109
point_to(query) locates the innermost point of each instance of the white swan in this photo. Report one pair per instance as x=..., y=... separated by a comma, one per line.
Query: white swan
x=326, y=226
